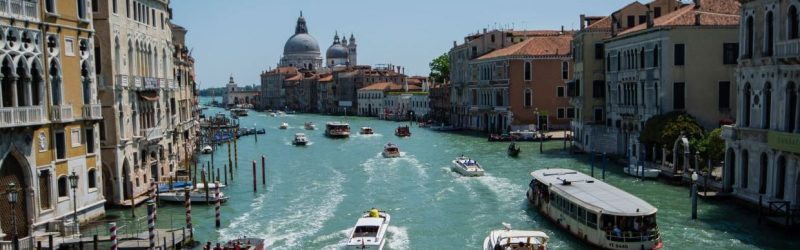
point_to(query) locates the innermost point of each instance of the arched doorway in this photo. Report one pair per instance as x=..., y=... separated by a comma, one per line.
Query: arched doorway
x=126, y=180
x=680, y=156
x=108, y=183
x=781, y=178
x=12, y=171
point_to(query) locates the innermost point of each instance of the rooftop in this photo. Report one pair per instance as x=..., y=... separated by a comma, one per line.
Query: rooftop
x=535, y=46
x=708, y=13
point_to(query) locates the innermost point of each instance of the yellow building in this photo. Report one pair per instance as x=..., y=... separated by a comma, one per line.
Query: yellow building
x=49, y=115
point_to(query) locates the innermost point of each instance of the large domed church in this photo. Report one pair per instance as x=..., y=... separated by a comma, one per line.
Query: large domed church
x=302, y=50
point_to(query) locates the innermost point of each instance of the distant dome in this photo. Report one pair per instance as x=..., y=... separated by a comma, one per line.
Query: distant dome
x=301, y=43
x=337, y=51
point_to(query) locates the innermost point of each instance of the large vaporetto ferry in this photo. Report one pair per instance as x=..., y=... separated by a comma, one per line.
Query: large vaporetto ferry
x=337, y=129
x=594, y=211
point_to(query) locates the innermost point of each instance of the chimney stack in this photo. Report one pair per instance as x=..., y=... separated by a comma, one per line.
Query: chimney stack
x=583, y=21
x=697, y=18
x=562, y=29
x=650, y=21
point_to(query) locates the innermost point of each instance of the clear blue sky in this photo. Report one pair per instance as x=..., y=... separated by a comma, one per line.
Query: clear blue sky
x=245, y=37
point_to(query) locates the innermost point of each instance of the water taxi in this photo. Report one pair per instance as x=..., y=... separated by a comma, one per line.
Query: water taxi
x=245, y=244
x=641, y=171
x=310, y=126
x=594, y=211
x=391, y=151
x=284, y=126
x=508, y=239
x=300, y=139
x=467, y=167
x=402, y=131
x=207, y=149
x=337, y=129
x=370, y=231
x=238, y=112
x=366, y=131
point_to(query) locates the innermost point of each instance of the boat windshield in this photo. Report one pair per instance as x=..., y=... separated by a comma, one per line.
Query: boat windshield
x=366, y=231
x=630, y=228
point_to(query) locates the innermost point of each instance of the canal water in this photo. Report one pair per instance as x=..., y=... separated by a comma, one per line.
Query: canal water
x=314, y=194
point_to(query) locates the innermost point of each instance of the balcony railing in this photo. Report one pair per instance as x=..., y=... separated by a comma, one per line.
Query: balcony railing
x=787, y=49
x=152, y=133
x=92, y=112
x=62, y=113
x=21, y=9
x=21, y=116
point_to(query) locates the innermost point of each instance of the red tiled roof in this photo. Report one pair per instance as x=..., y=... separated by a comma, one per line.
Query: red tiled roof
x=710, y=12
x=602, y=24
x=326, y=78
x=378, y=86
x=535, y=46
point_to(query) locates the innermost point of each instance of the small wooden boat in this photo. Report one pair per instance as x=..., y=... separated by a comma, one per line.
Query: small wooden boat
x=369, y=231
x=641, y=171
x=402, y=131
x=513, y=150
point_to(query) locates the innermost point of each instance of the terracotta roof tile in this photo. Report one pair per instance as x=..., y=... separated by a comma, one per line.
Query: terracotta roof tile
x=710, y=12
x=602, y=24
x=378, y=86
x=535, y=46
x=326, y=78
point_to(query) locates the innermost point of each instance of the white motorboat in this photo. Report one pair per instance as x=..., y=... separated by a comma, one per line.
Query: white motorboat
x=310, y=126
x=300, y=139
x=391, y=151
x=198, y=195
x=212, y=186
x=366, y=131
x=284, y=125
x=508, y=239
x=337, y=129
x=207, y=149
x=370, y=231
x=281, y=113
x=467, y=167
x=272, y=114
x=641, y=171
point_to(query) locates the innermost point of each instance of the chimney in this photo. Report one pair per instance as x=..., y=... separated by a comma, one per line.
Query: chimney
x=583, y=21
x=455, y=44
x=697, y=18
x=562, y=29
x=650, y=21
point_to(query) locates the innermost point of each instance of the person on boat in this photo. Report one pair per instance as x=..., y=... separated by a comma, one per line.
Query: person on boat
x=374, y=213
x=617, y=232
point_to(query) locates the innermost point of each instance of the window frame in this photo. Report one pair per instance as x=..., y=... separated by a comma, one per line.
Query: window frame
x=69, y=46
x=91, y=179
x=527, y=71
x=85, y=9
x=565, y=70
x=677, y=55
x=675, y=96
x=59, y=190
x=54, y=5
x=561, y=91
x=45, y=177
x=89, y=133
x=561, y=113
x=55, y=144
x=527, y=100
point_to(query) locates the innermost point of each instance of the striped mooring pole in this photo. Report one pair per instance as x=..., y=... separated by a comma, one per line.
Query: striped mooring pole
x=113, y=232
x=151, y=224
x=154, y=196
x=218, y=221
x=187, y=203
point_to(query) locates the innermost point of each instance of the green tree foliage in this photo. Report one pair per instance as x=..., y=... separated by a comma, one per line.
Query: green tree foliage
x=712, y=145
x=440, y=68
x=665, y=129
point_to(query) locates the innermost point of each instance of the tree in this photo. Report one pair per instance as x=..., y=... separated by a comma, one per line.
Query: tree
x=712, y=145
x=665, y=129
x=440, y=68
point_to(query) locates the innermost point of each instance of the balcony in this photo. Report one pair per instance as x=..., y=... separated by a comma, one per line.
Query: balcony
x=92, y=112
x=151, y=83
x=20, y=9
x=787, y=49
x=62, y=113
x=751, y=135
x=137, y=82
x=150, y=134
x=21, y=116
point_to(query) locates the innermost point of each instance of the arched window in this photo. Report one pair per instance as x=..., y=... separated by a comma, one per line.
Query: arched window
x=749, y=37
x=528, y=71
x=62, y=186
x=619, y=94
x=791, y=107
x=767, y=107
x=655, y=56
x=528, y=98
x=769, y=34
x=780, y=181
x=745, y=168
x=746, y=104
x=762, y=175
x=55, y=82
x=641, y=59
x=91, y=179
x=792, y=19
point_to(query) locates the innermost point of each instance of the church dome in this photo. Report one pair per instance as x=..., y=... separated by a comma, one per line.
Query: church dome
x=337, y=51
x=301, y=43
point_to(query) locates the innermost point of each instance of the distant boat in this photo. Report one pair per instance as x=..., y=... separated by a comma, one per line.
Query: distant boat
x=245, y=244
x=207, y=149
x=366, y=131
x=337, y=129
x=641, y=171
x=391, y=151
x=300, y=139
x=310, y=126
x=508, y=239
x=402, y=131
x=284, y=126
x=369, y=231
x=238, y=112
x=513, y=150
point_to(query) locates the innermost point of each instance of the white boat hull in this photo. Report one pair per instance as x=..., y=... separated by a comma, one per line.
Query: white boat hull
x=391, y=154
x=195, y=196
x=639, y=172
x=467, y=171
x=377, y=241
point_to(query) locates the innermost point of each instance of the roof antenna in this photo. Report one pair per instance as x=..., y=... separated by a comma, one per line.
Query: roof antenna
x=301, y=13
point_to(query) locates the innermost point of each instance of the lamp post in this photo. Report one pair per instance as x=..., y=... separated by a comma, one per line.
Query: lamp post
x=13, y=196
x=539, y=129
x=694, y=195
x=73, y=183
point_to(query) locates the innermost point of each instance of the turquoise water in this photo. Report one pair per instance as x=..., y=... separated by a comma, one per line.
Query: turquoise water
x=315, y=194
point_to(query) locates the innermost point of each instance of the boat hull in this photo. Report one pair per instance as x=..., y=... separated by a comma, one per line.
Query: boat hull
x=338, y=135
x=390, y=154
x=640, y=172
x=465, y=172
x=300, y=143
x=195, y=197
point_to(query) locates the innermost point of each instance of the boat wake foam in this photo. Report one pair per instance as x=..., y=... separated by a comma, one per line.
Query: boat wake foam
x=340, y=238
x=503, y=189
x=239, y=225
x=397, y=237
x=378, y=163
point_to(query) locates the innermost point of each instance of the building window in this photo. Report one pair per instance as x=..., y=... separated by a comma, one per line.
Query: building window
x=762, y=174
x=746, y=105
x=528, y=98
x=114, y=6
x=75, y=137
x=95, y=8
x=560, y=91
x=598, y=115
x=598, y=51
x=781, y=178
x=528, y=71
x=90, y=141
x=657, y=12
x=793, y=20
x=91, y=178
x=570, y=113
x=493, y=38
x=81, y=9
x=724, y=96
x=598, y=89
x=50, y=6
x=655, y=56
x=44, y=190
x=162, y=20
x=102, y=130
x=561, y=113
x=767, y=107
x=748, y=53
x=61, y=145
x=128, y=8
x=791, y=107
x=608, y=62
x=769, y=34
x=641, y=59
x=631, y=21
x=565, y=70
x=62, y=186
x=730, y=53
x=679, y=96
x=680, y=53
x=642, y=19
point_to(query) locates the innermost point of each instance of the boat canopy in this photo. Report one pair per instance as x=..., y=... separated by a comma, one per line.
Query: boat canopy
x=589, y=192
x=369, y=222
x=521, y=236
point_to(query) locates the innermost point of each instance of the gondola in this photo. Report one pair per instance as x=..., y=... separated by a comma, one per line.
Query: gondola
x=513, y=150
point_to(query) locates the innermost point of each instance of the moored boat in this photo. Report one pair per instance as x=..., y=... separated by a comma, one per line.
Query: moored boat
x=284, y=126
x=402, y=131
x=310, y=126
x=207, y=149
x=337, y=129
x=238, y=112
x=245, y=244
x=369, y=231
x=642, y=171
x=366, y=131
x=391, y=151
x=300, y=139
x=513, y=150
x=467, y=167
x=594, y=211
x=508, y=239
x=198, y=195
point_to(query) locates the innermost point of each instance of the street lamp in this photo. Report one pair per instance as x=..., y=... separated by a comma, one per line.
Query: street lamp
x=13, y=196
x=73, y=183
x=694, y=195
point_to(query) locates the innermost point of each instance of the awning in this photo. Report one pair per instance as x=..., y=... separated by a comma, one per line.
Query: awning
x=149, y=95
